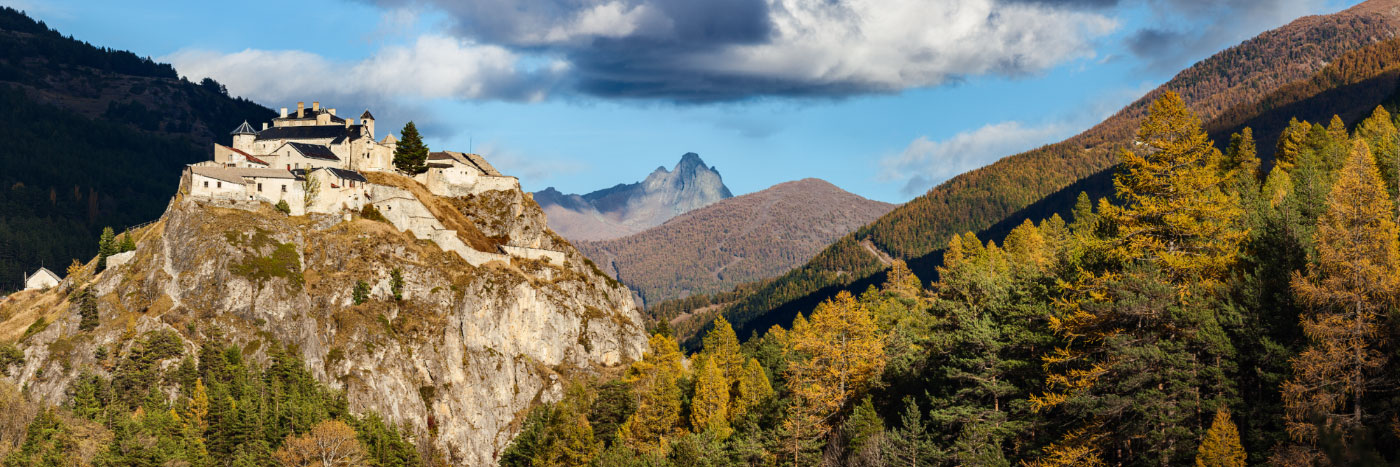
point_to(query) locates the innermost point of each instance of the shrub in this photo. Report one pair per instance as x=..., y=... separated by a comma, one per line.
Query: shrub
x=361, y=292
x=10, y=355
x=396, y=283
x=284, y=207
x=371, y=213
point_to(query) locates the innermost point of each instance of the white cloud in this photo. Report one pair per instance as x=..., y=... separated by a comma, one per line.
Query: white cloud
x=892, y=45
x=432, y=67
x=925, y=163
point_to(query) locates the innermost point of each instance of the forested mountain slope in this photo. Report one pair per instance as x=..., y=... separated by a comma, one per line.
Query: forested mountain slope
x=1249, y=83
x=93, y=137
x=733, y=241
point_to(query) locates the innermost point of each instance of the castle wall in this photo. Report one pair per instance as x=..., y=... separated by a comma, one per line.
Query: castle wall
x=214, y=188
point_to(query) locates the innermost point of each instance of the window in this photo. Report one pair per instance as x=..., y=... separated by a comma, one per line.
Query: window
x=206, y=184
x=289, y=166
x=218, y=184
x=284, y=188
x=260, y=187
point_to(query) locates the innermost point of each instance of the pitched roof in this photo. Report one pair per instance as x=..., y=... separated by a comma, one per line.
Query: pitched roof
x=309, y=132
x=367, y=115
x=470, y=160
x=308, y=114
x=244, y=129
x=314, y=151
x=481, y=163
x=238, y=175
x=219, y=173
x=345, y=174
x=42, y=270
x=245, y=155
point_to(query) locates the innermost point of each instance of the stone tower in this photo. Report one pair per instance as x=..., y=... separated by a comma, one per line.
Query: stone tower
x=368, y=121
x=243, y=137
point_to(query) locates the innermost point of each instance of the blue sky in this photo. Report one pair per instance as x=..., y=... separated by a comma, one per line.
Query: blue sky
x=884, y=98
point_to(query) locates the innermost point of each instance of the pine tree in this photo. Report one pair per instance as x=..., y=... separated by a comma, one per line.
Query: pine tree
x=411, y=155
x=1347, y=290
x=106, y=246
x=908, y=445
x=1221, y=446
x=709, y=407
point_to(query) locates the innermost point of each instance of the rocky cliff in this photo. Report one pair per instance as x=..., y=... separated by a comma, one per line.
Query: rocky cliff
x=458, y=360
x=626, y=209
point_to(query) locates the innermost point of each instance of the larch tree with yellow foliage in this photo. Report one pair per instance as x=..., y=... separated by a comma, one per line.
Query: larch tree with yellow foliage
x=1354, y=281
x=1380, y=134
x=1146, y=351
x=655, y=381
x=751, y=389
x=1174, y=212
x=835, y=355
x=1221, y=445
x=709, y=407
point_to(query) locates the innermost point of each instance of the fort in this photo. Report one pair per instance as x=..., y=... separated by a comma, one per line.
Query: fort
x=313, y=162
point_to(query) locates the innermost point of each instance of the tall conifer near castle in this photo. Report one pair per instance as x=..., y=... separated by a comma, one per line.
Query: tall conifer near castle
x=411, y=155
x=1347, y=290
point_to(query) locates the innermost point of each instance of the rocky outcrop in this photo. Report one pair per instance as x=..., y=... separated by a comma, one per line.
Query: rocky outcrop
x=458, y=360
x=626, y=209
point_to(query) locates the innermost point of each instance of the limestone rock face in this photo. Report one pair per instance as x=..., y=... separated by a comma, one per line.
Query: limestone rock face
x=459, y=360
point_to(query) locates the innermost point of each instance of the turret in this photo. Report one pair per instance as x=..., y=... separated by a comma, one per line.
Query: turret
x=243, y=137
x=367, y=120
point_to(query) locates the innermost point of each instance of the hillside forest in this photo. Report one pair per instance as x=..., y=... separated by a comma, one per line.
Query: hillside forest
x=1206, y=313
x=1312, y=68
x=94, y=138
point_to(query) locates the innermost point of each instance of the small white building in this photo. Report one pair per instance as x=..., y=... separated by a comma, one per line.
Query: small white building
x=455, y=174
x=41, y=279
x=337, y=190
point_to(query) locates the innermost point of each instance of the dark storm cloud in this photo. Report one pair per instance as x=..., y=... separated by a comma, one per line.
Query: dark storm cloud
x=725, y=50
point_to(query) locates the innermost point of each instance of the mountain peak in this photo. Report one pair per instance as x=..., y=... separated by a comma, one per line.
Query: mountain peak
x=629, y=208
x=690, y=158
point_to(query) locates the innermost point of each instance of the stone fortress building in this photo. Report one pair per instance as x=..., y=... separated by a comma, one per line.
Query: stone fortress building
x=314, y=160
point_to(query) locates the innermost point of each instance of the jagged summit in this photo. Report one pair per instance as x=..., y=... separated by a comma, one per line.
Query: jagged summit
x=624, y=209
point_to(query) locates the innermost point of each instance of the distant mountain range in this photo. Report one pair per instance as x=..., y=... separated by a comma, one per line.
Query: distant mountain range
x=1345, y=64
x=733, y=241
x=626, y=209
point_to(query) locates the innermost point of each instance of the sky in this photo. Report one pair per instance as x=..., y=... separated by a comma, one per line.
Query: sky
x=884, y=98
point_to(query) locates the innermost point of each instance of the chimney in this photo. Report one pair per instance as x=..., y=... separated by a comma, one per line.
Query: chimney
x=316, y=106
x=284, y=112
x=265, y=123
x=301, y=109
